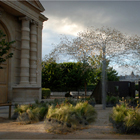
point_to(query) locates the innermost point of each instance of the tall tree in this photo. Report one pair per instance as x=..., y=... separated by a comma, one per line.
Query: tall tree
x=96, y=62
x=51, y=75
x=107, y=41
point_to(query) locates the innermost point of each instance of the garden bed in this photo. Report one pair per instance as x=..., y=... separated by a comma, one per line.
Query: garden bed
x=70, y=113
x=125, y=119
x=101, y=129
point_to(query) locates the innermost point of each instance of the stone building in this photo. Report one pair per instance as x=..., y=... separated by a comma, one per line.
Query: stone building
x=132, y=78
x=20, y=78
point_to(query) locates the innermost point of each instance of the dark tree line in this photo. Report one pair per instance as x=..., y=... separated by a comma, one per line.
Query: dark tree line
x=72, y=76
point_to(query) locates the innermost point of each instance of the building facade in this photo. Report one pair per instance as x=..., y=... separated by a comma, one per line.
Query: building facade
x=132, y=78
x=20, y=78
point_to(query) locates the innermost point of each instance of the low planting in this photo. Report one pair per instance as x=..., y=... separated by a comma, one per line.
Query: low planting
x=46, y=92
x=112, y=101
x=67, y=115
x=76, y=111
x=26, y=114
x=130, y=101
x=134, y=102
x=125, y=119
x=90, y=100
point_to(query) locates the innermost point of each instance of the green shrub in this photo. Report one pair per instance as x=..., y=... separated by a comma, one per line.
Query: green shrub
x=71, y=101
x=46, y=93
x=112, y=99
x=42, y=112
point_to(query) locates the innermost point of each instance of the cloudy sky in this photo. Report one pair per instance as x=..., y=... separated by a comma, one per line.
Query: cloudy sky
x=70, y=17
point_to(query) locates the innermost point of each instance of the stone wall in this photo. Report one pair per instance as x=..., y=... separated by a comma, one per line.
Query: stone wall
x=23, y=23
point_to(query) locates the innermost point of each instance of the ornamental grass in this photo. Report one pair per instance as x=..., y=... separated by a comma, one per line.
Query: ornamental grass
x=66, y=113
x=31, y=113
x=126, y=119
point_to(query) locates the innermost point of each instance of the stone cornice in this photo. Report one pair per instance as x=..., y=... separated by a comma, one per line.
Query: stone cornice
x=34, y=22
x=34, y=4
x=26, y=87
x=16, y=5
x=25, y=18
x=43, y=18
x=39, y=7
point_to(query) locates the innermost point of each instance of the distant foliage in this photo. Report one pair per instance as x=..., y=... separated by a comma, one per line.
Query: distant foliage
x=65, y=76
x=112, y=74
x=51, y=75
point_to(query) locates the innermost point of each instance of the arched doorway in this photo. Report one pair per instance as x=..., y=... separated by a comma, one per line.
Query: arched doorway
x=4, y=75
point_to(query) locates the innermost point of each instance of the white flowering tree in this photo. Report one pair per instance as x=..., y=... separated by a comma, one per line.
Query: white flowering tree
x=129, y=58
x=109, y=42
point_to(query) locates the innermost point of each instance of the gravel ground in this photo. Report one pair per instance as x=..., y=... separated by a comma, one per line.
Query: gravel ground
x=101, y=129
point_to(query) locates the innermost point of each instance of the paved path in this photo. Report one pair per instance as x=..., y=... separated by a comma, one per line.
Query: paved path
x=101, y=129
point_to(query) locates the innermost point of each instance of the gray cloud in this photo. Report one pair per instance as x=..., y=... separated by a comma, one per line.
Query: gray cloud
x=121, y=15
x=78, y=15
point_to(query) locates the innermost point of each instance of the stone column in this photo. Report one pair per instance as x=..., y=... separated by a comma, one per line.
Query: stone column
x=25, y=47
x=33, y=54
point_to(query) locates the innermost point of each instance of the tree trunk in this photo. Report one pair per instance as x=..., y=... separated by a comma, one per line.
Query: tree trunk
x=78, y=94
x=85, y=89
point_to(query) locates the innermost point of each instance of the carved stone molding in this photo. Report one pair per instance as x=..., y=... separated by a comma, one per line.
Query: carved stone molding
x=25, y=18
x=34, y=22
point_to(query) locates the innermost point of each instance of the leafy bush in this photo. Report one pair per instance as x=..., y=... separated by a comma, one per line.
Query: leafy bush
x=112, y=100
x=46, y=93
x=126, y=120
x=42, y=112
